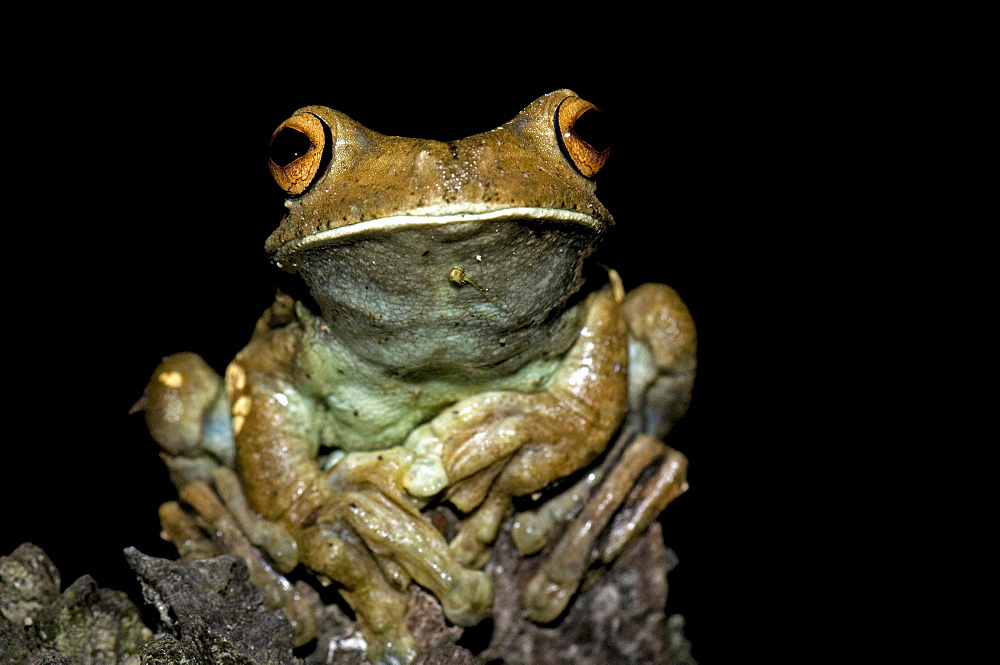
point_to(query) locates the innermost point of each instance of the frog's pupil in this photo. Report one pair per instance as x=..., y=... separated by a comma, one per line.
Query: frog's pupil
x=288, y=145
x=592, y=128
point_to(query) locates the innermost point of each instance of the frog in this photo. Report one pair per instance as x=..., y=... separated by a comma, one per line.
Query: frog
x=456, y=346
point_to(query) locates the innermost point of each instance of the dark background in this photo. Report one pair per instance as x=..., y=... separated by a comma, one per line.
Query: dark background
x=143, y=202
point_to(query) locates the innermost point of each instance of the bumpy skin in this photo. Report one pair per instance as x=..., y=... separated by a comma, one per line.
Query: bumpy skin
x=343, y=426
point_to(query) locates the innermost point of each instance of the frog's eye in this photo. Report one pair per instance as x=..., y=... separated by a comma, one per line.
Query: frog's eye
x=580, y=128
x=299, y=148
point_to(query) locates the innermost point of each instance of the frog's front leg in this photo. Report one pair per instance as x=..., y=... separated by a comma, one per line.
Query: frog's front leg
x=276, y=444
x=353, y=522
x=618, y=500
x=500, y=445
x=662, y=362
x=369, y=485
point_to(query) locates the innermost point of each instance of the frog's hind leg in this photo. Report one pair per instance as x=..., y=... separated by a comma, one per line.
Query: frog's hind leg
x=662, y=364
x=661, y=357
x=213, y=526
x=636, y=481
x=187, y=414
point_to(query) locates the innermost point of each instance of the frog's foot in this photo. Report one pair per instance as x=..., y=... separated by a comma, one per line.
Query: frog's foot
x=393, y=647
x=367, y=492
x=661, y=357
x=380, y=605
x=469, y=437
x=498, y=445
x=473, y=543
x=188, y=415
x=535, y=529
x=638, y=479
x=406, y=537
x=213, y=529
x=271, y=537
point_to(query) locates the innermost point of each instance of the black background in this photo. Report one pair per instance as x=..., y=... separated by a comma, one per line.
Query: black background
x=139, y=218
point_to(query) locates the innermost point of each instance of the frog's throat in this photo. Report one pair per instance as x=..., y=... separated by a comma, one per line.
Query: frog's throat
x=399, y=222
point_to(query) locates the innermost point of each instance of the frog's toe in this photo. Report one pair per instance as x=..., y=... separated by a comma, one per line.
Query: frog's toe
x=471, y=600
x=396, y=648
x=426, y=476
x=545, y=599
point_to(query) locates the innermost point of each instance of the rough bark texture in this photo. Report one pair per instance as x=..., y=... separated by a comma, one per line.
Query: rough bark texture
x=83, y=625
x=210, y=613
x=619, y=619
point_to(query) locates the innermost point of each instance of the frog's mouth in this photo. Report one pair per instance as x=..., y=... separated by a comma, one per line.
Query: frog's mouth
x=388, y=225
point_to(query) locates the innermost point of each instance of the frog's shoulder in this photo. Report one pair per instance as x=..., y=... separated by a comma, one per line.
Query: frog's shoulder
x=276, y=339
x=283, y=311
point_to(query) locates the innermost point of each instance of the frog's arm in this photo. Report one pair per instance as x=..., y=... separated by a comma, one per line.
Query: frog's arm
x=353, y=524
x=276, y=441
x=617, y=501
x=662, y=361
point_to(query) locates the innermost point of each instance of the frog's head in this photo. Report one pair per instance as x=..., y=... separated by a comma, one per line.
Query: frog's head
x=483, y=235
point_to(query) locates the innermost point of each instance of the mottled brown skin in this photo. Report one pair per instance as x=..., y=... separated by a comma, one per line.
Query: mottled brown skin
x=410, y=387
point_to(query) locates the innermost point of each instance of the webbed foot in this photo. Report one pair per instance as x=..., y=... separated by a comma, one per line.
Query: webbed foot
x=615, y=504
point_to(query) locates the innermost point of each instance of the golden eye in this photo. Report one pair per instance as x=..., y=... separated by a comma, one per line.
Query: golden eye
x=299, y=147
x=580, y=126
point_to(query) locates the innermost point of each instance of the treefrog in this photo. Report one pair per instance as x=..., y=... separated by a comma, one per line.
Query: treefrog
x=454, y=347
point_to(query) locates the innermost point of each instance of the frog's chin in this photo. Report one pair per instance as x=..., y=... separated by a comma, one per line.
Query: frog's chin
x=431, y=217
x=426, y=291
